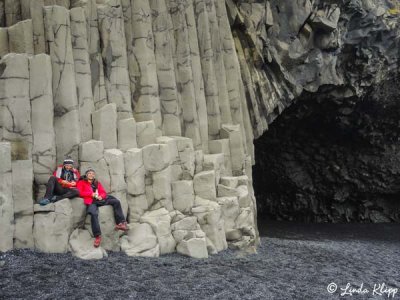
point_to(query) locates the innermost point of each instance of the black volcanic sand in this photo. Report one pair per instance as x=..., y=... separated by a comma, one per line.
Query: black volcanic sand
x=294, y=261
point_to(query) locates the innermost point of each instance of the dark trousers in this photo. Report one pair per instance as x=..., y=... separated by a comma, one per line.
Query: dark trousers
x=93, y=211
x=54, y=188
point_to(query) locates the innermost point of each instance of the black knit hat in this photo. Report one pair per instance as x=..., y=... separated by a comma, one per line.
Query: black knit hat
x=68, y=161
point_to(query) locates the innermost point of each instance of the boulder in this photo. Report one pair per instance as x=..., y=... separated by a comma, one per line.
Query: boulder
x=160, y=222
x=78, y=212
x=204, y=185
x=51, y=230
x=140, y=239
x=230, y=211
x=137, y=206
x=81, y=246
x=110, y=237
x=156, y=157
x=194, y=247
x=209, y=217
x=183, y=195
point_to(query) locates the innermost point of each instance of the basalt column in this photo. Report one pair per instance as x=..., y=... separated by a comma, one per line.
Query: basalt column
x=219, y=68
x=207, y=64
x=238, y=105
x=96, y=61
x=15, y=107
x=41, y=96
x=163, y=43
x=184, y=72
x=33, y=9
x=112, y=35
x=82, y=71
x=6, y=203
x=145, y=88
x=66, y=115
x=198, y=81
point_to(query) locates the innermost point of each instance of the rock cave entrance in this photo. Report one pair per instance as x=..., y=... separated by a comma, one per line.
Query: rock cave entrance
x=332, y=159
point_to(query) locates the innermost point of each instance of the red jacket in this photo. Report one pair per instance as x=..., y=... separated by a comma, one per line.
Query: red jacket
x=57, y=173
x=86, y=191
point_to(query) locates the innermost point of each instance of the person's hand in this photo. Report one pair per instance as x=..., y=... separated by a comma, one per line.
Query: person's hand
x=99, y=198
x=72, y=183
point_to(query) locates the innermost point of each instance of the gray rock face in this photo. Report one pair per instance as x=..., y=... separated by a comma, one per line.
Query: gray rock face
x=112, y=35
x=145, y=87
x=96, y=61
x=140, y=241
x=52, y=228
x=105, y=125
x=81, y=245
x=175, y=92
x=22, y=177
x=66, y=117
x=41, y=96
x=83, y=77
x=20, y=37
x=167, y=83
x=4, y=49
x=6, y=196
x=110, y=237
x=15, y=109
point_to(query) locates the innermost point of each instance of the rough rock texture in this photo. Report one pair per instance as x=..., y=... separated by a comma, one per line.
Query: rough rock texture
x=6, y=196
x=331, y=157
x=22, y=175
x=66, y=117
x=41, y=96
x=52, y=226
x=174, y=96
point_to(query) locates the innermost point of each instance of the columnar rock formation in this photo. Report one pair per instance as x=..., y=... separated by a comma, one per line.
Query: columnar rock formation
x=145, y=93
x=163, y=98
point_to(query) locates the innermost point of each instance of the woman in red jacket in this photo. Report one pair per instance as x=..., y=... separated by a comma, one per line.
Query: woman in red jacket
x=94, y=195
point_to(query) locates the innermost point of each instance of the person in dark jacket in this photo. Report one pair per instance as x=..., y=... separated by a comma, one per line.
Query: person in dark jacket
x=62, y=184
x=94, y=195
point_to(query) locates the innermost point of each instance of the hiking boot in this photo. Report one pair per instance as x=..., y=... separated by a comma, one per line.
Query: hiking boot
x=121, y=226
x=44, y=201
x=97, y=241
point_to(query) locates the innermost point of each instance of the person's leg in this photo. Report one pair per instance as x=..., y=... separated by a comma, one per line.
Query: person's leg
x=67, y=193
x=116, y=204
x=51, y=186
x=93, y=211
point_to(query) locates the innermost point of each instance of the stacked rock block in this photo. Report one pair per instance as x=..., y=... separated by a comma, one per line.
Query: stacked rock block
x=147, y=93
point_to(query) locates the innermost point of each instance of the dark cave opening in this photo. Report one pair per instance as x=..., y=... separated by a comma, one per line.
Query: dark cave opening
x=329, y=159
